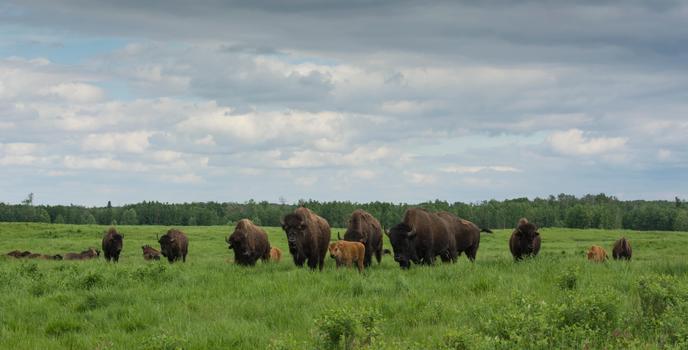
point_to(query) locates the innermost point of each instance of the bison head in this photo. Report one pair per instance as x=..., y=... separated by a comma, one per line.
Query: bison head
x=334, y=250
x=525, y=236
x=166, y=245
x=237, y=242
x=402, y=238
x=295, y=227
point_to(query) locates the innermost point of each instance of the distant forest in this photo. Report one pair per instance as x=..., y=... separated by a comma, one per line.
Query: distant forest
x=590, y=211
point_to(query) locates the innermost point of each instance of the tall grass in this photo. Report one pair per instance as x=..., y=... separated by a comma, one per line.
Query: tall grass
x=557, y=300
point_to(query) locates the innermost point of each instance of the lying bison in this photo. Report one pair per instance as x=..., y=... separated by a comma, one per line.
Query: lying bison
x=365, y=228
x=112, y=244
x=150, y=253
x=90, y=253
x=19, y=254
x=249, y=243
x=174, y=245
x=597, y=254
x=347, y=253
x=308, y=236
x=45, y=256
x=525, y=240
x=420, y=237
x=466, y=234
x=622, y=249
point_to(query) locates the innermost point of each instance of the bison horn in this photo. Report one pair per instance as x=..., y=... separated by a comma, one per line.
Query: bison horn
x=411, y=234
x=386, y=233
x=227, y=239
x=338, y=236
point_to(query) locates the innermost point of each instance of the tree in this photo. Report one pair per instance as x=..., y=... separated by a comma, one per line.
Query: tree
x=28, y=200
x=129, y=217
x=578, y=217
x=681, y=221
x=88, y=218
x=42, y=215
x=59, y=219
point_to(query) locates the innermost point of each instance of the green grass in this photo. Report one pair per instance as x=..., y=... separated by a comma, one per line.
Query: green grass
x=558, y=300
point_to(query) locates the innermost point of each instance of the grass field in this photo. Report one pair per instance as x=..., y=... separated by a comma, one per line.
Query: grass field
x=558, y=300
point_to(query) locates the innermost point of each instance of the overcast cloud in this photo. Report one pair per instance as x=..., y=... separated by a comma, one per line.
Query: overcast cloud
x=360, y=100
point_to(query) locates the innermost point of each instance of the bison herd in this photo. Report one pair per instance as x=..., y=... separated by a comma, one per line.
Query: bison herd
x=419, y=238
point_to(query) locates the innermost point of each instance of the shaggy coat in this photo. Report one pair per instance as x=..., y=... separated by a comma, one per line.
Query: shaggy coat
x=347, y=253
x=308, y=236
x=150, y=253
x=45, y=256
x=597, y=254
x=249, y=243
x=525, y=240
x=85, y=255
x=112, y=244
x=622, y=249
x=420, y=237
x=466, y=234
x=275, y=254
x=18, y=254
x=174, y=245
x=365, y=228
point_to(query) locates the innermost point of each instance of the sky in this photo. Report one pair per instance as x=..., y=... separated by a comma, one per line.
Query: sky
x=399, y=101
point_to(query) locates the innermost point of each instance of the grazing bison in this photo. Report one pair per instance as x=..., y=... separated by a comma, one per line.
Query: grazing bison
x=112, y=244
x=18, y=254
x=346, y=253
x=597, y=254
x=365, y=228
x=420, y=237
x=275, y=254
x=85, y=255
x=622, y=249
x=525, y=240
x=308, y=236
x=150, y=253
x=249, y=243
x=174, y=245
x=466, y=234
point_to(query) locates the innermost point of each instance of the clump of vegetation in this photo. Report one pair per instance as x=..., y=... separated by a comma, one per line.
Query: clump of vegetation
x=347, y=329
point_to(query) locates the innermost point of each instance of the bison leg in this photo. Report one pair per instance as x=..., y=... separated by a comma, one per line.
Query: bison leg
x=368, y=257
x=378, y=255
x=313, y=263
x=472, y=252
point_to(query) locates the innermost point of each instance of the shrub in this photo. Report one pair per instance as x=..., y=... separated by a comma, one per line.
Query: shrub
x=347, y=329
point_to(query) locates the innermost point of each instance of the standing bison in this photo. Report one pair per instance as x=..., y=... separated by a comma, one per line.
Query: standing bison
x=420, y=237
x=622, y=249
x=525, y=240
x=174, y=245
x=249, y=243
x=365, y=228
x=308, y=236
x=466, y=234
x=112, y=244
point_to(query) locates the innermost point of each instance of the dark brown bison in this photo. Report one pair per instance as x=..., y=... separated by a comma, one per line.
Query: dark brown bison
x=150, y=253
x=275, y=254
x=420, y=237
x=622, y=249
x=19, y=254
x=90, y=253
x=597, y=254
x=347, y=253
x=249, y=243
x=308, y=236
x=365, y=228
x=112, y=244
x=525, y=240
x=45, y=256
x=466, y=234
x=174, y=245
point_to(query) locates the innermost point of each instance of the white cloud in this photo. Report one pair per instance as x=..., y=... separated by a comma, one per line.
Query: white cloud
x=75, y=92
x=101, y=163
x=574, y=142
x=183, y=179
x=459, y=169
x=419, y=178
x=133, y=142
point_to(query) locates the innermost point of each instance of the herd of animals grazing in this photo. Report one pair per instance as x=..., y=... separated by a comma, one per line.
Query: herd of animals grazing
x=420, y=238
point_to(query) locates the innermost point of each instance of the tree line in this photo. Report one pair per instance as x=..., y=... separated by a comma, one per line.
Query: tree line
x=589, y=211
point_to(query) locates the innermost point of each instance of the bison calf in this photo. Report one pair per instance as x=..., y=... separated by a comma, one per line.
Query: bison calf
x=622, y=249
x=346, y=253
x=85, y=255
x=112, y=244
x=597, y=254
x=150, y=253
x=275, y=254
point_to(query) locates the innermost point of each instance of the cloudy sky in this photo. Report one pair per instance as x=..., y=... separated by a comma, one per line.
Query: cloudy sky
x=357, y=100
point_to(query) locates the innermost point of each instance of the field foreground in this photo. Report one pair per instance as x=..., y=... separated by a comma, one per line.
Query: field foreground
x=558, y=300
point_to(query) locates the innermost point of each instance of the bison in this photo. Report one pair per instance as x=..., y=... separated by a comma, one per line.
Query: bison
x=597, y=254
x=45, y=256
x=90, y=253
x=112, y=244
x=365, y=228
x=525, y=240
x=249, y=243
x=466, y=234
x=275, y=254
x=308, y=236
x=346, y=253
x=19, y=254
x=622, y=249
x=150, y=253
x=420, y=237
x=174, y=245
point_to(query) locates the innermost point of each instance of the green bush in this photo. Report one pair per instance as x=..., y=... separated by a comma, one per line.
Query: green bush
x=347, y=329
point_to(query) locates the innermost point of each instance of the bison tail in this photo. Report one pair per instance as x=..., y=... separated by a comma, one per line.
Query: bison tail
x=487, y=230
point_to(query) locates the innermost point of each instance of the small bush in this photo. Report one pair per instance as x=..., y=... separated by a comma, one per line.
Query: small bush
x=347, y=329
x=90, y=280
x=164, y=341
x=458, y=340
x=568, y=280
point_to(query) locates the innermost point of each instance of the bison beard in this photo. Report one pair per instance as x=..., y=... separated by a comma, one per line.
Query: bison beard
x=308, y=236
x=622, y=249
x=112, y=244
x=249, y=243
x=174, y=245
x=525, y=240
x=364, y=228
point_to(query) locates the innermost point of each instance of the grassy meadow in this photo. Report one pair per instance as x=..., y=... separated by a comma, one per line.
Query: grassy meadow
x=558, y=300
